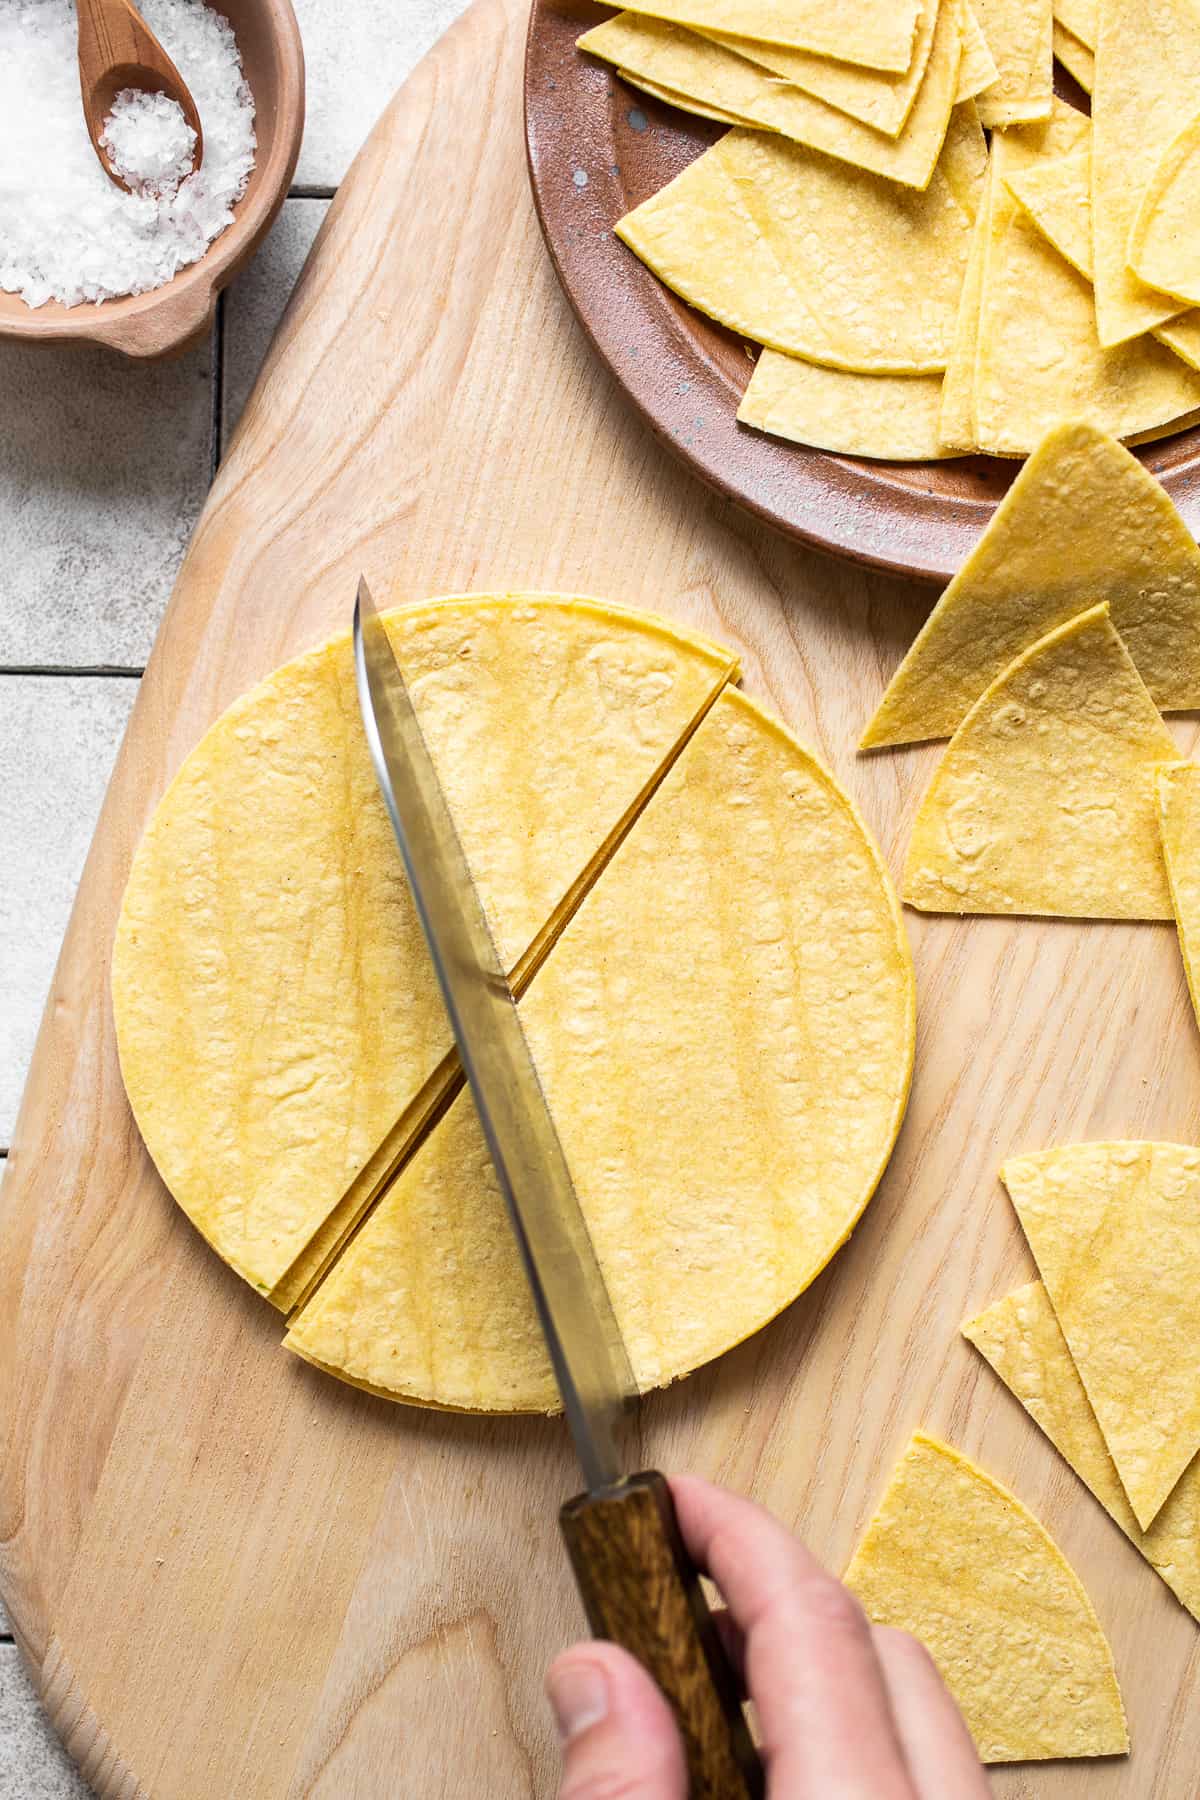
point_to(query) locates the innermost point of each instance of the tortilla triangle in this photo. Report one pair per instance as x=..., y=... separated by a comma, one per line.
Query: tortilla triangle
x=1044, y=802
x=1115, y=1231
x=1021, y=1338
x=1084, y=522
x=955, y=1559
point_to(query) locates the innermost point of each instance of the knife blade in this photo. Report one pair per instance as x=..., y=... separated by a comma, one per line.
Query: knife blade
x=638, y=1584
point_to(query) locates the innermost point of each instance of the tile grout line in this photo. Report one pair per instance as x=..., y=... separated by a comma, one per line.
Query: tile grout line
x=311, y=191
x=95, y=670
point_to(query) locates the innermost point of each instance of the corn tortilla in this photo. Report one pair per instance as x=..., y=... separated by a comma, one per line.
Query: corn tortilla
x=1179, y=822
x=739, y=976
x=892, y=418
x=1084, y=522
x=712, y=75
x=876, y=34
x=1147, y=78
x=1081, y=18
x=1039, y=358
x=1044, y=802
x=701, y=108
x=977, y=70
x=956, y=416
x=812, y=257
x=1075, y=57
x=1163, y=248
x=955, y=1559
x=275, y=1008
x=1115, y=1231
x=1021, y=1338
x=1019, y=34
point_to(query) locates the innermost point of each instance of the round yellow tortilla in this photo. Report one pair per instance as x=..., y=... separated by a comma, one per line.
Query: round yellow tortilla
x=276, y=1012
x=724, y=1033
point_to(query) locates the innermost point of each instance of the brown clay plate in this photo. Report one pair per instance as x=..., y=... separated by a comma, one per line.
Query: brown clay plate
x=598, y=147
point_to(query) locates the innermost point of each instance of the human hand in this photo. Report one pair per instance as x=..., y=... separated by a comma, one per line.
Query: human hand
x=847, y=1710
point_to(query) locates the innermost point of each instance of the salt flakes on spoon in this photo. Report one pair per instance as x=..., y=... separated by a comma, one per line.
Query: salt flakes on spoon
x=149, y=143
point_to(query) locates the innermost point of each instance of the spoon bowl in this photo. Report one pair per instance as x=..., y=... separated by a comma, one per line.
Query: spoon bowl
x=118, y=50
x=168, y=319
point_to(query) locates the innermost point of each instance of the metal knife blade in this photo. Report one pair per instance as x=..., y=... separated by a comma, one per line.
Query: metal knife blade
x=582, y=1336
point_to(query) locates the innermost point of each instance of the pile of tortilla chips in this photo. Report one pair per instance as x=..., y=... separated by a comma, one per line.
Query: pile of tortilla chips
x=955, y=1559
x=707, y=950
x=918, y=291
x=1103, y=1351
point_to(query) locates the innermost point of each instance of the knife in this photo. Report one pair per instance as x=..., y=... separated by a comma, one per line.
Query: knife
x=638, y=1585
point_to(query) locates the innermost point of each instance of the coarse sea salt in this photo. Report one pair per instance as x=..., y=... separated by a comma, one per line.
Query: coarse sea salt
x=149, y=142
x=66, y=231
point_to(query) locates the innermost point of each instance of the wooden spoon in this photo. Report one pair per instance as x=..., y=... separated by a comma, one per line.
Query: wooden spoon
x=118, y=50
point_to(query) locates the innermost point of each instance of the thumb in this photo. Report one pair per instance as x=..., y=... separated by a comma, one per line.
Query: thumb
x=618, y=1733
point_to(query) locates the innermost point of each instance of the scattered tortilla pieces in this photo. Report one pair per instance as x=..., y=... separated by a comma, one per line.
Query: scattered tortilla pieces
x=776, y=1082
x=955, y=1559
x=871, y=96
x=1179, y=821
x=1039, y=359
x=1164, y=247
x=892, y=418
x=810, y=256
x=1021, y=1338
x=1018, y=34
x=1075, y=57
x=877, y=34
x=1147, y=78
x=275, y=1008
x=1083, y=522
x=1044, y=802
x=1115, y=1231
x=714, y=76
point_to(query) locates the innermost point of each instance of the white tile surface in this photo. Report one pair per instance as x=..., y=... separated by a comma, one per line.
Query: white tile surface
x=357, y=53
x=58, y=737
x=33, y=1764
x=104, y=465
x=254, y=303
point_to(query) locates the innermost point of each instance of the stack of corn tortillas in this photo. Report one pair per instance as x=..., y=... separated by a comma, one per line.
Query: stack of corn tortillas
x=712, y=969
x=919, y=292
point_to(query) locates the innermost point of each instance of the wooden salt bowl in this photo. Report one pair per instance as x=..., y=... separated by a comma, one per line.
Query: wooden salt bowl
x=169, y=319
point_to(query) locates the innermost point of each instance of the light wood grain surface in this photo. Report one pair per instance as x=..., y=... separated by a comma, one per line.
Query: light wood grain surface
x=235, y=1576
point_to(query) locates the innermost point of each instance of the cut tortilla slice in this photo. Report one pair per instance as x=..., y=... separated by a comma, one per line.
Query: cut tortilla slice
x=1021, y=1338
x=1083, y=522
x=1115, y=1231
x=1075, y=57
x=891, y=418
x=1081, y=18
x=871, y=96
x=956, y=417
x=955, y=1559
x=1039, y=359
x=876, y=34
x=1044, y=803
x=1018, y=34
x=1057, y=195
x=712, y=75
x=1179, y=822
x=812, y=257
x=275, y=1008
x=1147, y=78
x=739, y=976
x=702, y=109
x=1163, y=248
x=977, y=70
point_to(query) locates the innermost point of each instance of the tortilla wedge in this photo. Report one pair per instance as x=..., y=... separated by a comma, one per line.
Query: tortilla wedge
x=1115, y=1231
x=955, y=1559
x=761, y=1019
x=1019, y=35
x=1163, y=249
x=1044, y=802
x=1075, y=57
x=1021, y=1338
x=1084, y=522
x=874, y=34
x=891, y=418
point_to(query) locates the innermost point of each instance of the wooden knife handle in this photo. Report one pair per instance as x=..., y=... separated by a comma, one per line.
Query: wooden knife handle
x=640, y=1589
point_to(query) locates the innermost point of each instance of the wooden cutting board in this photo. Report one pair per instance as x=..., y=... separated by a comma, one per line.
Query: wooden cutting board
x=235, y=1576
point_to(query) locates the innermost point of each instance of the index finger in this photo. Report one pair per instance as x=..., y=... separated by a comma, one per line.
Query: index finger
x=811, y=1665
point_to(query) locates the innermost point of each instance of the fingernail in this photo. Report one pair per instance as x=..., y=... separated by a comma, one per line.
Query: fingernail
x=579, y=1696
